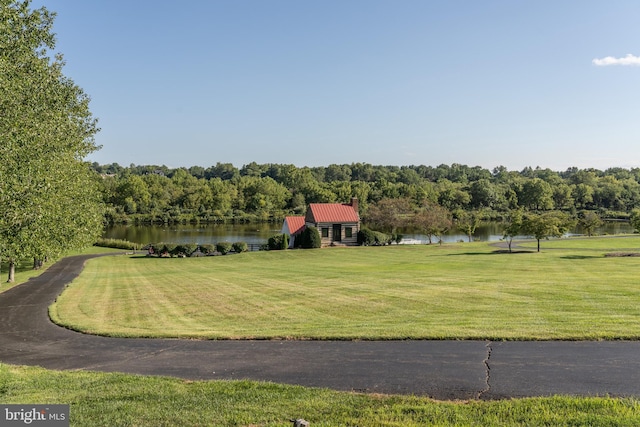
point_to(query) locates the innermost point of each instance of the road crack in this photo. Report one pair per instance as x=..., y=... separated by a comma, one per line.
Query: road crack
x=487, y=387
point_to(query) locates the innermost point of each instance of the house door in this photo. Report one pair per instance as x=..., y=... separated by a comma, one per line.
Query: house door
x=337, y=232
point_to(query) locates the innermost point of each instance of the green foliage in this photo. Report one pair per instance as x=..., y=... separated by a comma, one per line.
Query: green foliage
x=514, y=226
x=49, y=196
x=549, y=224
x=433, y=220
x=310, y=238
x=117, y=244
x=589, y=221
x=188, y=249
x=635, y=219
x=388, y=195
x=207, y=249
x=239, y=247
x=467, y=222
x=368, y=237
x=278, y=242
x=224, y=247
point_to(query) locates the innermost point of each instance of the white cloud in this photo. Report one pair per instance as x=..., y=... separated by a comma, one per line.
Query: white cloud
x=610, y=60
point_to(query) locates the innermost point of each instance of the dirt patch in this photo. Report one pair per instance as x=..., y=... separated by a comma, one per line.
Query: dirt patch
x=622, y=254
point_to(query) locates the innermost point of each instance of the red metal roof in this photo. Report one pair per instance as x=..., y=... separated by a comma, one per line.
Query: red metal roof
x=333, y=212
x=295, y=224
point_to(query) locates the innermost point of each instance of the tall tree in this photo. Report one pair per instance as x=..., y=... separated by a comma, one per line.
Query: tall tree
x=49, y=197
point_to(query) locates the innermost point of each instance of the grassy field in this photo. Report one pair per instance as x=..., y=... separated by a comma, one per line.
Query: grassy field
x=463, y=290
x=568, y=291
x=102, y=399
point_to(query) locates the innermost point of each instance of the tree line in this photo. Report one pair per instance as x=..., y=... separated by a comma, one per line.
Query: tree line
x=49, y=196
x=268, y=192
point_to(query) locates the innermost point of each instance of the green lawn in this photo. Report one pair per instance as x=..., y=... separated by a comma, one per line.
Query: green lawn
x=568, y=291
x=106, y=399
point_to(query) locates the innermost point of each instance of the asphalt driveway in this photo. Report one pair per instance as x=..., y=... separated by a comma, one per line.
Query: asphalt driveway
x=439, y=369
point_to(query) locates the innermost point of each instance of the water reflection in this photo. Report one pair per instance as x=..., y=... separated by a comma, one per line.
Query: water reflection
x=260, y=233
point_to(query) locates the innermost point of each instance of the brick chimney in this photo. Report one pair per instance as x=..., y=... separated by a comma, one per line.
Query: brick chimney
x=354, y=203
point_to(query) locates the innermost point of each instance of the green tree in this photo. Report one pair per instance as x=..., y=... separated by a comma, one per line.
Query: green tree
x=389, y=214
x=514, y=226
x=467, y=222
x=582, y=195
x=49, y=196
x=536, y=194
x=434, y=220
x=589, y=221
x=635, y=220
x=549, y=224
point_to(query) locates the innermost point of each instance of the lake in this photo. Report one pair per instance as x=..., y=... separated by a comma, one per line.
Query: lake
x=256, y=234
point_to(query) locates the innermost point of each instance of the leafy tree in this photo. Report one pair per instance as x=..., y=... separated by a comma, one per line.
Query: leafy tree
x=582, y=195
x=536, y=194
x=389, y=214
x=561, y=196
x=467, y=222
x=483, y=194
x=49, y=197
x=452, y=195
x=635, y=220
x=514, y=226
x=433, y=220
x=589, y=221
x=549, y=224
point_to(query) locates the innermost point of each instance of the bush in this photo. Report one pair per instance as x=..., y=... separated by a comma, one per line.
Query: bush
x=223, y=247
x=207, y=249
x=240, y=247
x=184, y=249
x=367, y=237
x=277, y=242
x=310, y=238
x=168, y=248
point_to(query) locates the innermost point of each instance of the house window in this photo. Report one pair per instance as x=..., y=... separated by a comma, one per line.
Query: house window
x=325, y=231
x=348, y=232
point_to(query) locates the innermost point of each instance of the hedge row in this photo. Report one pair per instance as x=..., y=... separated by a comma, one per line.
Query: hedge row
x=118, y=244
x=368, y=237
x=189, y=250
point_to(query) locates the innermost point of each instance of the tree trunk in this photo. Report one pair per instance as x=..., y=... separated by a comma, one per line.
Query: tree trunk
x=12, y=272
x=538, y=245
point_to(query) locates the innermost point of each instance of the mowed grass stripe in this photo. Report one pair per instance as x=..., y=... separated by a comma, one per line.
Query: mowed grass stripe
x=452, y=291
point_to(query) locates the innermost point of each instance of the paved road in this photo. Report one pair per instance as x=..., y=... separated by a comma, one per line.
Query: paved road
x=439, y=369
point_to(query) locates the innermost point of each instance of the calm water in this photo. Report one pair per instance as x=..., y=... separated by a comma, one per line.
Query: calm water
x=260, y=233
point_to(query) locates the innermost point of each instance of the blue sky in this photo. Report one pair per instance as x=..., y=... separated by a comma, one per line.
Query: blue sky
x=549, y=83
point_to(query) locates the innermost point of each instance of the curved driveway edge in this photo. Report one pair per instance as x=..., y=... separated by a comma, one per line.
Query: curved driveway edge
x=439, y=369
